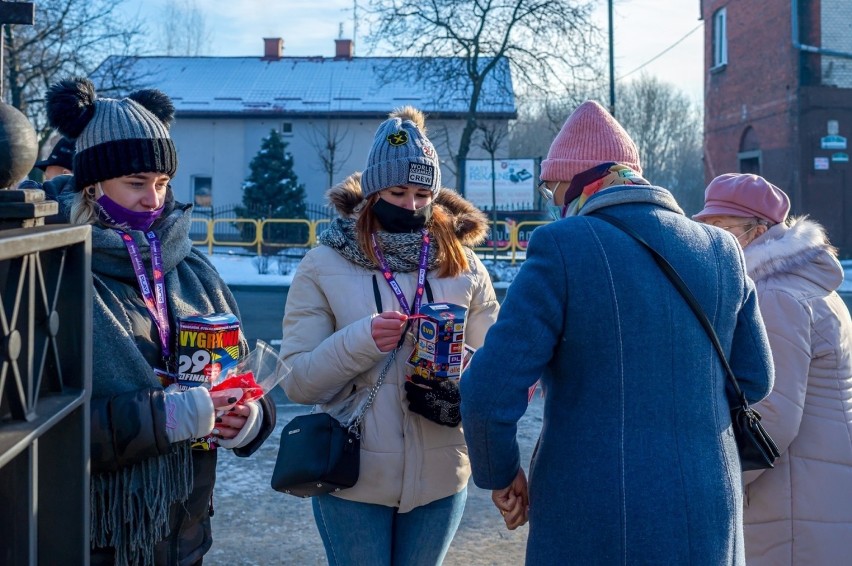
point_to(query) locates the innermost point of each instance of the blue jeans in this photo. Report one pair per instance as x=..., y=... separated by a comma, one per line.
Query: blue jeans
x=364, y=534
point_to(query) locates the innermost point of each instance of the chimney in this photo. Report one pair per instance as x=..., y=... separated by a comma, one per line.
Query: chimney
x=272, y=48
x=344, y=49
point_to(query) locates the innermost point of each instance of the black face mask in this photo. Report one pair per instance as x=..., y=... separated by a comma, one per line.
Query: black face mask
x=399, y=220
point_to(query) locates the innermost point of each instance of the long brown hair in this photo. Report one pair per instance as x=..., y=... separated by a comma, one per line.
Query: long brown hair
x=451, y=258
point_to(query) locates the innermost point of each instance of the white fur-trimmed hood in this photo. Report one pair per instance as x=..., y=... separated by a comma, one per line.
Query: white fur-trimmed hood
x=801, y=247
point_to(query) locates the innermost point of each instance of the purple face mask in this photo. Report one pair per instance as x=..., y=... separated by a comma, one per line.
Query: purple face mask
x=117, y=215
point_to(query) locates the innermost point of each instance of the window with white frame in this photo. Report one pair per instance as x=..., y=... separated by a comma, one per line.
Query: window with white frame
x=720, y=38
x=287, y=128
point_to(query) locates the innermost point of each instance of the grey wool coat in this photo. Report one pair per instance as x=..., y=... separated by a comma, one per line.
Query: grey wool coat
x=800, y=512
x=636, y=463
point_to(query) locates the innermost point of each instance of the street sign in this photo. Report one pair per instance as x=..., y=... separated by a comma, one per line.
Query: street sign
x=821, y=163
x=832, y=142
x=840, y=157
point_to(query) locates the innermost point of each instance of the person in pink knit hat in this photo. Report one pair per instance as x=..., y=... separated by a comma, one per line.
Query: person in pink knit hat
x=636, y=462
x=591, y=153
x=799, y=512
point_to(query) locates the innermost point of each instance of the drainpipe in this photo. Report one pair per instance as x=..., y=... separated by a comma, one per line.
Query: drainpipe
x=794, y=7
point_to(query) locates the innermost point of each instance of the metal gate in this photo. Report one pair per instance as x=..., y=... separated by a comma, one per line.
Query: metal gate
x=45, y=383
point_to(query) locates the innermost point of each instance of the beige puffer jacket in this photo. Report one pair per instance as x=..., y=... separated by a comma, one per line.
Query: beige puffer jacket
x=406, y=460
x=800, y=512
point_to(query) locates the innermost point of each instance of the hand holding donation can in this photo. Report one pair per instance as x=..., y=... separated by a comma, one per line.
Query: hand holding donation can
x=439, y=352
x=209, y=355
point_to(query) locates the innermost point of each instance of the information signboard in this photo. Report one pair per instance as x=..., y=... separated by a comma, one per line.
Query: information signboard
x=514, y=182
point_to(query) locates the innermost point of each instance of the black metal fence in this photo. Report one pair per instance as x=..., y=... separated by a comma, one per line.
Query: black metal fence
x=45, y=383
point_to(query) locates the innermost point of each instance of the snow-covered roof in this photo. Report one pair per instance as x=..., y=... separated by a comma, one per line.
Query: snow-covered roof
x=317, y=85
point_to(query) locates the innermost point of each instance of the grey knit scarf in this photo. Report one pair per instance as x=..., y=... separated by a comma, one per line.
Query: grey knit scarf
x=402, y=251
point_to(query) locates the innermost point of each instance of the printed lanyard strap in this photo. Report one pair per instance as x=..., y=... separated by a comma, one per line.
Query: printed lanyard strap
x=421, y=273
x=155, y=300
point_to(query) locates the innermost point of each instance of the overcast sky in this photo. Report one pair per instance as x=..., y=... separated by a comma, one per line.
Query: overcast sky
x=643, y=29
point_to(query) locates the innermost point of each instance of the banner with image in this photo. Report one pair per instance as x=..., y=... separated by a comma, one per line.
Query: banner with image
x=514, y=183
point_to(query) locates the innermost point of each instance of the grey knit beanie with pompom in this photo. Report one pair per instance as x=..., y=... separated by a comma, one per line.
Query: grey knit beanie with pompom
x=402, y=155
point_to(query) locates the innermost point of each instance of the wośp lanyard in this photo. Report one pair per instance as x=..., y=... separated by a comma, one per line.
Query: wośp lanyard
x=421, y=273
x=155, y=300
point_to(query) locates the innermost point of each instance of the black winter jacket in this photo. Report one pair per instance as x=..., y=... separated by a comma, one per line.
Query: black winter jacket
x=128, y=422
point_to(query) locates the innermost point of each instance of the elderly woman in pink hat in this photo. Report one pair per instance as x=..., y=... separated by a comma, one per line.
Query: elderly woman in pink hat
x=800, y=512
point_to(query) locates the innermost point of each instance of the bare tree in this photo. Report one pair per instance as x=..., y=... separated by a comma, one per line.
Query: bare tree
x=667, y=128
x=69, y=37
x=549, y=45
x=185, y=29
x=665, y=124
x=539, y=120
x=329, y=141
x=493, y=137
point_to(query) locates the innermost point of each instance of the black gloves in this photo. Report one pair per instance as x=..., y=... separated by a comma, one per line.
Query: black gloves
x=438, y=403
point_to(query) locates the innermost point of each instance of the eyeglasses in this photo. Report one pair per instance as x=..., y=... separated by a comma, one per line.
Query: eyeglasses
x=545, y=191
x=754, y=224
x=728, y=228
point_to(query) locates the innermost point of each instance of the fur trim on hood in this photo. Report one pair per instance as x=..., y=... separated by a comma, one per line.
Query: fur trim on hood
x=798, y=246
x=471, y=224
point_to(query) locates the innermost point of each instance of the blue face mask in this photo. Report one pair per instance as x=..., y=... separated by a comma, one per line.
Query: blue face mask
x=115, y=214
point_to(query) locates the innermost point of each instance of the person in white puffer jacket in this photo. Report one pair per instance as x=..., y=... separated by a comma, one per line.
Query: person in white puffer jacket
x=402, y=240
x=800, y=512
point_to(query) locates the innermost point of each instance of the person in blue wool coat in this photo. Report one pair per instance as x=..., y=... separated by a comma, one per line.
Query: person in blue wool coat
x=636, y=462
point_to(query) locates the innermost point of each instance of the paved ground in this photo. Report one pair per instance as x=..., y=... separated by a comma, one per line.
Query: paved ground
x=255, y=525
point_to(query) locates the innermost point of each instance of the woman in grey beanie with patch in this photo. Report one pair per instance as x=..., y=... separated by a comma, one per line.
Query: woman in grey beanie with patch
x=151, y=488
x=401, y=240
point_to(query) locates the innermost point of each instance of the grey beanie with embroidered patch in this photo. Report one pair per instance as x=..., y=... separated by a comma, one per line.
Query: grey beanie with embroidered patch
x=402, y=155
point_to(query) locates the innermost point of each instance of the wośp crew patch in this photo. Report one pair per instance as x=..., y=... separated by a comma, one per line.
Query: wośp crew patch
x=421, y=174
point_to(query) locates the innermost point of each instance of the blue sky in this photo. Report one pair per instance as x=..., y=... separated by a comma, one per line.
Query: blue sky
x=643, y=29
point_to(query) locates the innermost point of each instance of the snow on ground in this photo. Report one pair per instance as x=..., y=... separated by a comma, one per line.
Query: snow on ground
x=240, y=269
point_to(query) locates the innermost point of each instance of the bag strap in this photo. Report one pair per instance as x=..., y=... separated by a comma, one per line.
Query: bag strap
x=690, y=299
x=355, y=427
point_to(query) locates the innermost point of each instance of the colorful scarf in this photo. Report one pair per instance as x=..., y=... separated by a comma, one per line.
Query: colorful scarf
x=594, y=180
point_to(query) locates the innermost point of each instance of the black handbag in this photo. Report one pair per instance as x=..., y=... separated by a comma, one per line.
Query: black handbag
x=757, y=449
x=318, y=454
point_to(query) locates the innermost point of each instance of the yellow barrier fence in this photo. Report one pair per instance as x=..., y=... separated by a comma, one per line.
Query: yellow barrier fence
x=300, y=233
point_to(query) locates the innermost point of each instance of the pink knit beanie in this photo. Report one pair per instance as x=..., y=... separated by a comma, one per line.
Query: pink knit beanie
x=746, y=196
x=590, y=136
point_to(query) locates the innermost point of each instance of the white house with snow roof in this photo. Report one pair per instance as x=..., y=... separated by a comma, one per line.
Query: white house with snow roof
x=225, y=106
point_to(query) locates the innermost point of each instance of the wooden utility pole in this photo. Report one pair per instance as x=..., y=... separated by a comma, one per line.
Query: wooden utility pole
x=12, y=13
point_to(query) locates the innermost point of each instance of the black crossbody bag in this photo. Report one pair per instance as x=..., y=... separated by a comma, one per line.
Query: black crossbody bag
x=318, y=454
x=757, y=449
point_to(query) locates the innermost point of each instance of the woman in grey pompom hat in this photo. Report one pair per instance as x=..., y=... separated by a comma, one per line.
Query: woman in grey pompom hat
x=399, y=230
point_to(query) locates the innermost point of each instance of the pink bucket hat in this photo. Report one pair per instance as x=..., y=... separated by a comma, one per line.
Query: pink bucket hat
x=590, y=136
x=744, y=195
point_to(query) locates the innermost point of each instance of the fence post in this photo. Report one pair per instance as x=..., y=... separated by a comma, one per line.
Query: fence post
x=210, y=237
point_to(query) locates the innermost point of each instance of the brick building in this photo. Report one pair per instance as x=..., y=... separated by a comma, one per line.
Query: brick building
x=778, y=101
